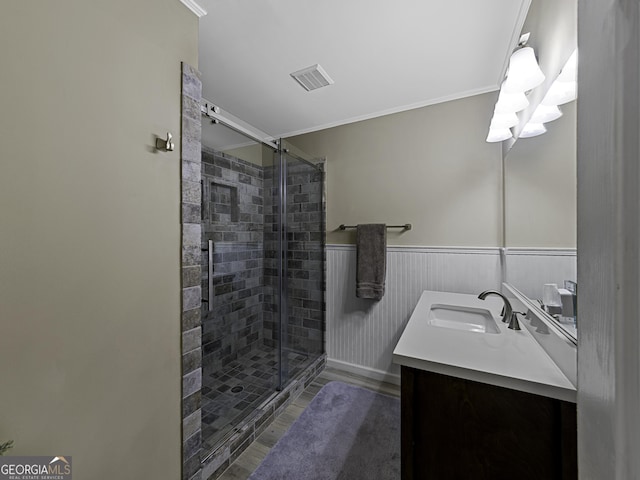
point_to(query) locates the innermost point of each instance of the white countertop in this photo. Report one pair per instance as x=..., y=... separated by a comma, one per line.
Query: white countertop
x=511, y=359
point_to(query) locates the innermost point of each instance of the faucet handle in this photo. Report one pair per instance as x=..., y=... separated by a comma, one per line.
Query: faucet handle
x=514, y=324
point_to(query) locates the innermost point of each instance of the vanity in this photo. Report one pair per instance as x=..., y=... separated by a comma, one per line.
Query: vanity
x=482, y=401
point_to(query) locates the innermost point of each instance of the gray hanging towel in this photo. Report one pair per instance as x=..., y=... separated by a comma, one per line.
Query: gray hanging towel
x=371, y=269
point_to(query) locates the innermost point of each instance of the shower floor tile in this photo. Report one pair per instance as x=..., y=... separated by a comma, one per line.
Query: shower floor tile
x=224, y=407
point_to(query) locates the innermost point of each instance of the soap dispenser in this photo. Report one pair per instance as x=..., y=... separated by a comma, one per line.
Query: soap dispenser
x=569, y=300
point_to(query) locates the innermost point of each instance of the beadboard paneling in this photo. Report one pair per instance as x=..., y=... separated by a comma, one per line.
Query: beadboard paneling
x=529, y=269
x=363, y=333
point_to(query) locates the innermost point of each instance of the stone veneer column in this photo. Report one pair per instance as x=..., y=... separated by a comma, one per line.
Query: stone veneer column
x=191, y=271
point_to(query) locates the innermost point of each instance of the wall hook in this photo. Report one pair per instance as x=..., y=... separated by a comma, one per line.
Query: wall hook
x=165, y=145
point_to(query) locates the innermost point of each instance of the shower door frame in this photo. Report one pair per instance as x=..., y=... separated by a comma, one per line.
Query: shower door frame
x=283, y=271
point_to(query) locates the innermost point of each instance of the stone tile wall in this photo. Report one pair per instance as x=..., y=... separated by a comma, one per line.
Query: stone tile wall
x=233, y=218
x=271, y=307
x=191, y=290
x=305, y=259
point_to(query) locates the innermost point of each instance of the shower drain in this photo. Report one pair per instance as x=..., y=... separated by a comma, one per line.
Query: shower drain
x=237, y=389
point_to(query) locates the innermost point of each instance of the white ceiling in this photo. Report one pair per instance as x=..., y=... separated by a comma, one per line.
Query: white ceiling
x=384, y=56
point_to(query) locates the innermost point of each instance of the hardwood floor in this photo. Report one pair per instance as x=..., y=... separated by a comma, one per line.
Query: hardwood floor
x=246, y=463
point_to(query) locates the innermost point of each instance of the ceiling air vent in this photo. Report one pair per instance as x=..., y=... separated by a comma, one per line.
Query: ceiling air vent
x=312, y=78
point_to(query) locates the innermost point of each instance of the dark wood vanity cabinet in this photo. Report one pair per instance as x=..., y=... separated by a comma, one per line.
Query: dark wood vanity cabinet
x=456, y=429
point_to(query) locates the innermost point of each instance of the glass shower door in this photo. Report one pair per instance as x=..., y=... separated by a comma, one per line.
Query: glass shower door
x=301, y=261
x=240, y=368
x=263, y=275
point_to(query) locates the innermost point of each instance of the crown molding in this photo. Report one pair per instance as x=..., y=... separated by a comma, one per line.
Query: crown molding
x=194, y=7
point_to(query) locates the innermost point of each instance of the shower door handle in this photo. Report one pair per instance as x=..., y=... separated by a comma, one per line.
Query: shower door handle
x=210, y=275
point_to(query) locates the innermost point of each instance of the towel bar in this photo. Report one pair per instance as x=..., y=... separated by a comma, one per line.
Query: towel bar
x=406, y=226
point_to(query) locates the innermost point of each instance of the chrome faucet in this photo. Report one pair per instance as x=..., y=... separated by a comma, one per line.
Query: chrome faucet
x=508, y=315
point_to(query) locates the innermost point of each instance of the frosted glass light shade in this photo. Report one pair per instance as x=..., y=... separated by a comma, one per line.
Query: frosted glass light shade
x=545, y=113
x=560, y=93
x=504, y=120
x=498, y=135
x=511, y=102
x=532, y=130
x=524, y=72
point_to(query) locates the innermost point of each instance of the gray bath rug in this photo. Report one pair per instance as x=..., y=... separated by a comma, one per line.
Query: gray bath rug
x=345, y=433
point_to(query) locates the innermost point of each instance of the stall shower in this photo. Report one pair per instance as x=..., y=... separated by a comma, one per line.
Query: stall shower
x=263, y=266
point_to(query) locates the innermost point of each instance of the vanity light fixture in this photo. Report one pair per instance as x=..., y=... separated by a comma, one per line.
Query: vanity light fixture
x=545, y=113
x=569, y=72
x=532, y=130
x=565, y=88
x=511, y=102
x=560, y=93
x=524, y=73
x=504, y=120
x=498, y=135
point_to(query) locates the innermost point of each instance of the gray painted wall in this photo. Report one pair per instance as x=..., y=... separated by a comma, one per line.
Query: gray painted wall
x=608, y=240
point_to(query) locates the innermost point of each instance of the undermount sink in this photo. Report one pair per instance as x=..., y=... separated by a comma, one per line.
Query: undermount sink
x=459, y=317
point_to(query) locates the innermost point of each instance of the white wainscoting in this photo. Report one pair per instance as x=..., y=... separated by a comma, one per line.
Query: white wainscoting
x=529, y=269
x=361, y=334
